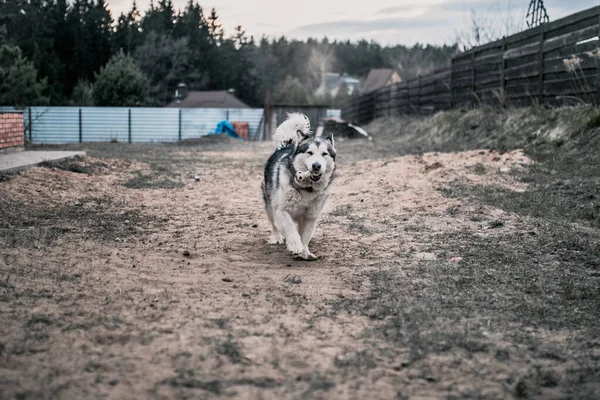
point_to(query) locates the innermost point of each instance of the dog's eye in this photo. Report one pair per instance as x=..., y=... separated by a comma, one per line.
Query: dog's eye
x=310, y=153
x=325, y=154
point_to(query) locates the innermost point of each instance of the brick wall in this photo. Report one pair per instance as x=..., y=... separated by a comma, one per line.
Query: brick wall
x=11, y=130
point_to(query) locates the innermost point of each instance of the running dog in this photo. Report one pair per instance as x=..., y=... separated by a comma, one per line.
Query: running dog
x=298, y=180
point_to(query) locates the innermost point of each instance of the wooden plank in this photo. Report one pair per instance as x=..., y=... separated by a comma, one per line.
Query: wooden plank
x=523, y=71
x=518, y=52
x=572, y=87
x=540, y=65
x=490, y=79
x=563, y=22
x=487, y=69
x=473, y=72
x=558, y=65
x=523, y=38
x=589, y=20
x=503, y=69
x=570, y=38
x=492, y=54
x=516, y=62
x=597, y=97
x=575, y=49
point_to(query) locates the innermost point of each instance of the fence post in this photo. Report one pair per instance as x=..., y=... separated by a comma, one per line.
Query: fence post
x=541, y=64
x=30, y=127
x=180, y=124
x=419, y=101
x=598, y=65
x=80, y=128
x=393, y=100
x=502, y=96
x=408, y=105
x=473, y=75
x=129, y=125
x=451, y=83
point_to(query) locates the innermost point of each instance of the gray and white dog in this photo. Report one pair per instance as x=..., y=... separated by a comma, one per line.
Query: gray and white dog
x=298, y=180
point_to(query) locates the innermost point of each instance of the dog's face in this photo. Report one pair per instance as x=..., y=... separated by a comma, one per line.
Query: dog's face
x=316, y=155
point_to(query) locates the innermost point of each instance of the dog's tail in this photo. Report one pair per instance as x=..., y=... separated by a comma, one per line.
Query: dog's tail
x=291, y=130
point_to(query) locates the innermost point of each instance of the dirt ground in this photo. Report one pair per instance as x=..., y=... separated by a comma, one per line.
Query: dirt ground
x=122, y=277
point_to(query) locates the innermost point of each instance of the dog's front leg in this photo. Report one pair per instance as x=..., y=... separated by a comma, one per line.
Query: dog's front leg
x=285, y=224
x=307, y=229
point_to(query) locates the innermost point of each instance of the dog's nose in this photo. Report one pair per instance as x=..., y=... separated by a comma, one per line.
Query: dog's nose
x=316, y=166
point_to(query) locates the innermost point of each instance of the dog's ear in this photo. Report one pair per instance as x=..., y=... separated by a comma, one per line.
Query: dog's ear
x=301, y=135
x=329, y=138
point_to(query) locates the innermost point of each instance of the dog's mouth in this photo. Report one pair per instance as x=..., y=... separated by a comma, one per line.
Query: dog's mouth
x=315, y=178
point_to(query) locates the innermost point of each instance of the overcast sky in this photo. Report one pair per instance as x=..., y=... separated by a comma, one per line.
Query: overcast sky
x=386, y=21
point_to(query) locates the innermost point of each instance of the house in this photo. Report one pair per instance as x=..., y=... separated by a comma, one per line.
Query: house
x=332, y=82
x=379, y=78
x=205, y=99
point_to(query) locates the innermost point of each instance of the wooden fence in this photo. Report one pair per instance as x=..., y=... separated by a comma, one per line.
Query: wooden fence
x=554, y=63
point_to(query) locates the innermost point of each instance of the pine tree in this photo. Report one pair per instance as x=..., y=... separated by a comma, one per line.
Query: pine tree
x=291, y=92
x=120, y=84
x=215, y=29
x=19, y=83
x=127, y=35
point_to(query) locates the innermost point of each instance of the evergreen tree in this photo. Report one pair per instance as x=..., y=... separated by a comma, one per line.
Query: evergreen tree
x=192, y=26
x=165, y=61
x=128, y=32
x=120, y=84
x=215, y=29
x=19, y=83
x=68, y=41
x=159, y=19
x=82, y=94
x=291, y=92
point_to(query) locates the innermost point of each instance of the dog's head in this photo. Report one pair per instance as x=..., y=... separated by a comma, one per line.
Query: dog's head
x=315, y=154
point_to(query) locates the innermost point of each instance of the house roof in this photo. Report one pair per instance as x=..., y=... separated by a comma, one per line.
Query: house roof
x=377, y=79
x=209, y=99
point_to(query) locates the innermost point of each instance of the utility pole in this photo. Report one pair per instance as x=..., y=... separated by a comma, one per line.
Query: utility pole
x=536, y=14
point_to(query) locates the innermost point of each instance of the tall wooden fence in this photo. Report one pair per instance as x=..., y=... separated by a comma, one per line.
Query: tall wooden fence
x=554, y=63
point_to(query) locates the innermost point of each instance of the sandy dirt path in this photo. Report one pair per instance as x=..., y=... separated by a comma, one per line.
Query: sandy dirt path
x=174, y=293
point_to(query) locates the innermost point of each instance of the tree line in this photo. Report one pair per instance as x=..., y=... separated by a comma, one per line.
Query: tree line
x=61, y=52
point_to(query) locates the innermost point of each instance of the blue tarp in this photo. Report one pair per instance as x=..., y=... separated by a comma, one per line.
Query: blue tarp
x=225, y=127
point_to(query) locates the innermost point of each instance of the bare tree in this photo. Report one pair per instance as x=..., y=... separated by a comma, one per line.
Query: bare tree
x=320, y=62
x=485, y=27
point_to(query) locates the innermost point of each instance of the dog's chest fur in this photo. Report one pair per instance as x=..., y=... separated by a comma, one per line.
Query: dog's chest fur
x=301, y=202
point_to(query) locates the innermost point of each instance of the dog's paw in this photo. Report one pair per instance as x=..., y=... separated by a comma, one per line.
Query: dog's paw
x=307, y=256
x=295, y=247
x=276, y=239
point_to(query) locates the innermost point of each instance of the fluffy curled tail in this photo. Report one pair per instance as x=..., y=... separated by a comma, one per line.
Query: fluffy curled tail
x=291, y=130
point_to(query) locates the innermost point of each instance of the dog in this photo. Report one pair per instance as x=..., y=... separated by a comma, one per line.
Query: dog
x=298, y=180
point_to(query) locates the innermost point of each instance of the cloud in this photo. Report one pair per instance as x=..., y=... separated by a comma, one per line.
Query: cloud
x=357, y=27
x=572, y=6
x=409, y=8
x=268, y=25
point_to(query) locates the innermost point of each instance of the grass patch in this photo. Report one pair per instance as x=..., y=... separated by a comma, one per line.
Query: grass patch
x=153, y=180
x=78, y=164
x=532, y=283
x=43, y=222
x=230, y=349
x=342, y=211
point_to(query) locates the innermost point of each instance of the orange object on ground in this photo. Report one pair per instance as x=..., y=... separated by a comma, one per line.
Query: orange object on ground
x=241, y=128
